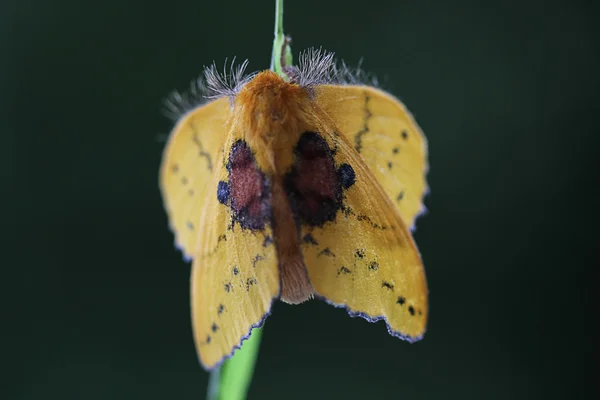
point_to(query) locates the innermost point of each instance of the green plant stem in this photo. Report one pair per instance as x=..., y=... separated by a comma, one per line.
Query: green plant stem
x=278, y=40
x=280, y=43
x=231, y=380
x=236, y=374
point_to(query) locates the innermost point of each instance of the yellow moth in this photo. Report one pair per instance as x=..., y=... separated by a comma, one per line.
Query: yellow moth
x=296, y=189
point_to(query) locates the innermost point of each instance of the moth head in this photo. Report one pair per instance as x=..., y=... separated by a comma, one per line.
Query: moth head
x=268, y=106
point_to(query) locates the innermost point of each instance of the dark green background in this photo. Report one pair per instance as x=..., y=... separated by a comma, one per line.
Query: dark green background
x=96, y=296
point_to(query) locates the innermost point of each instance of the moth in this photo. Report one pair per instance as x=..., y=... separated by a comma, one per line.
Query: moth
x=287, y=190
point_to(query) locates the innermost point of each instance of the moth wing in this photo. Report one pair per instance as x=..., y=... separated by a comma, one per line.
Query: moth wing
x=235, y=276
x=384, y=132
x=365, y=259
x=187, y=168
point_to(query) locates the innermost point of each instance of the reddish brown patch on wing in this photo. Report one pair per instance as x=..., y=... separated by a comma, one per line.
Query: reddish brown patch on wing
x=313, y=186
x=249, y=189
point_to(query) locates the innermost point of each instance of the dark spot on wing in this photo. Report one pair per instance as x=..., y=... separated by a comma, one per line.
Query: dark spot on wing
x=347, y=211
x=249, y=189
x=420, y=312
x=214, y=327
x=207, y=339
x=375, y=225
x=184, y=180
x=191, y=192
x=387, y=285
x=308, y=238
x=396, y=150
x=314, y=186
x=250, y=282
x=404, y=135
x=344, y=270
x=228, y=287
x=400, y=196
x=373, y=266
x=326, y=252
x=223, y=192
x=359, y=253
x=236, y=270
x=268, y=241
x=201, y=151
x=365, y=128
x=346, y=175
x=190, y=225
x=175, y=168
x=389, y=165
x=222, y=238
x=401, y=300
x=411, y=310
x=220, y=309
x=256, y=259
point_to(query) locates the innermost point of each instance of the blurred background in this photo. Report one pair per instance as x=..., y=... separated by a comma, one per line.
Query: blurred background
x=96, y=295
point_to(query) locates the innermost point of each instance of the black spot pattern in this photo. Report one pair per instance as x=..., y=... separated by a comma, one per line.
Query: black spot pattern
x=360, y=217
x=236, y=270
x=268, y=241
x=387, y=285
x=220, y=309
x=308, y=238
x=326, y=252
x=228, y=287
x=250, y=282
x=365, y=129
x=401, y=300
x=214, y=327
x=359, y=253
x=343, y=270
x=368, y=219
x=223, y=192
x=190, y=225
x=411, y=310
x=201, y=151
x=256, y=259
x=346, y=175
x=373, y=266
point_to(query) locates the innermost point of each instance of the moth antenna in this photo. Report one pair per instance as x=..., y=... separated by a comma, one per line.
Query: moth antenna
x=198, y=89
x=216, y=82
x=292, y=72
x=241, y=77
x=346, y=75
x=178, y=103
x=227, y=83
x=315, y=66
x=173, y=106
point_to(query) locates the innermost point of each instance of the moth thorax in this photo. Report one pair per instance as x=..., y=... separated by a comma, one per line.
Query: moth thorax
x=268, y=106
